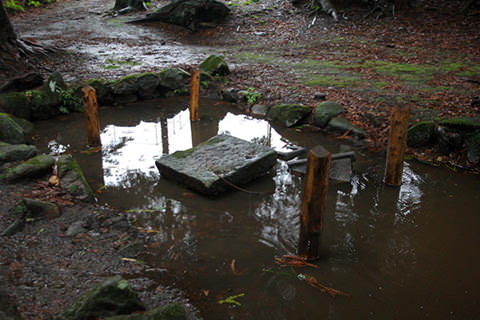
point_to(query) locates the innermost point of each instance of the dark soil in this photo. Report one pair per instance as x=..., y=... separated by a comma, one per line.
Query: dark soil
x=45, y=271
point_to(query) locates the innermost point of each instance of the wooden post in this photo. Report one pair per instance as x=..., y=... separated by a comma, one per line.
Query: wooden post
x=397, y=144
x=194, y=92
x=91, y=111
x=313, y=202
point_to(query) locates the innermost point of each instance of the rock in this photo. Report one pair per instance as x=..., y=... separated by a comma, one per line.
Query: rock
x=288, y=114
x=259, y=110
x=206, y=167
x=76, y=228
x=472, y=146
x=54, y=81
x=41, y=209
x=447, y=140
x=16, y=152
x=17, y=104
x=215, y=65
x=31, y=168
x=320, y=96
x=191, y=14
x=73, y=180
x=167, y=312
x=26, y=125
x=172, y=79
x=111, y=298
x=230, y=95
x=24, y=82
x=326, y=111
x=45, y=103
x=103, y=90
x=341, y=170
x=148, y=86
x=462, y=123
x=125, y=90
x=343, y=125
x=126, y=6
x=10, y=131
x=420, y=134
x=8, y=308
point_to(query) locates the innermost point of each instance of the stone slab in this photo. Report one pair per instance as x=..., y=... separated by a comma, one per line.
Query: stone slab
x=212, y=166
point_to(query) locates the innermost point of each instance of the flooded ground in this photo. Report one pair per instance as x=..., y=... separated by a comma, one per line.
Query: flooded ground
x=403, y=253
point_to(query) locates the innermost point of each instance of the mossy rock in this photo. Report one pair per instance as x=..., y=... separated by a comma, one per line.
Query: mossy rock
x=462, y=123
x=167, y=312
x=420, y=134
x=111, y=298
x=103, y=90
x=343, y=125
x=73, y=180
x=472, y=148
x=16, y=152
x=172, y=79
x=34, y=167
x=125, y=90
x=288, y=114
x=55, y=80
x=45, y=104
x=148, y=86
x=326, y=111
x=10, y=131
x=17, y=104
x=215, y=65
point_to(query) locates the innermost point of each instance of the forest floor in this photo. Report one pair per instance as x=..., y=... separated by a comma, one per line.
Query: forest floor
x=425, y=59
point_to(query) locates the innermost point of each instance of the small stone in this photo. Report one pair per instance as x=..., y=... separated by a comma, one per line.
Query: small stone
x=259, y=110
x=320, y=96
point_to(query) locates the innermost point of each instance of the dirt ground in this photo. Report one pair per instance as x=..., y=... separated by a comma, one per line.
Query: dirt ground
x=280, y=50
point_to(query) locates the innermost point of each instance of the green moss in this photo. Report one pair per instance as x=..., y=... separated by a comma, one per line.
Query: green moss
x=462, y=123
x=251, y=57
x=331, y=81
x=116, y=64
x=183, y=153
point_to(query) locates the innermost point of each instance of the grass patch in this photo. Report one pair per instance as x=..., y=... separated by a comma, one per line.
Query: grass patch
x=116, y=64
x=338, y=81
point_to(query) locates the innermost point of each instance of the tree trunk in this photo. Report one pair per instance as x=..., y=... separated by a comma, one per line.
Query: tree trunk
x=11, y=61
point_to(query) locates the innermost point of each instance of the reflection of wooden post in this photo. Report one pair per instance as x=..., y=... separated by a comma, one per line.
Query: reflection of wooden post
x=91, y=111
x=313, y=202
x=194, y=92
x=396, y=146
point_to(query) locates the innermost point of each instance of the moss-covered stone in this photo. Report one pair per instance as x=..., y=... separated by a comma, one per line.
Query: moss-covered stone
x=45, y=104
x=215, y=65
x=103, y=90
x=172, y=79
x=148, y=86
x=73, y=180
x=326, y=111
x=10, y=131
x=31, y=168
x=16, y=152
x=125, y=90
x=420, y=134
x=16, y=103
x=113, y=297
x=54, y=81
x=472, y=147
x=462, y=123
x=288, y=114
x=167, y=312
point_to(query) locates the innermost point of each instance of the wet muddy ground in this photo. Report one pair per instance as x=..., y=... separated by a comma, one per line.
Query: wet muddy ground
x=387, y=248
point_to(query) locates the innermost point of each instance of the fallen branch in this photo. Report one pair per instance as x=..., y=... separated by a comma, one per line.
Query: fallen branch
x=313, y=282
x=293, y=261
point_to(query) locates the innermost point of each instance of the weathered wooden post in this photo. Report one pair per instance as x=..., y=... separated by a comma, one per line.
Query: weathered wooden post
x=91, y=111
x=313, y=202
x=397, y=144
x=194, y=92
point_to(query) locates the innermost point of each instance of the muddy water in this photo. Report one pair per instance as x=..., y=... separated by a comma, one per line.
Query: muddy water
x=406, y=253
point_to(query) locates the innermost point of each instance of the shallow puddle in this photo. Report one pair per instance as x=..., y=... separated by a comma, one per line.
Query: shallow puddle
x=406, y=253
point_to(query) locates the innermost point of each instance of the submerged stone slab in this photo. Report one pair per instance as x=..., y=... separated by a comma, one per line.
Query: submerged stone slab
x=212, y=166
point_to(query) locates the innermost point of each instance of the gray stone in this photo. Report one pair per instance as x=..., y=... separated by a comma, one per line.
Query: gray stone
x=113, y=297
x=148, y=86
x=10, y=131
x=45, y=103
x=76, y=228
x=448, y=140
x=16, y=152
x=341, y=170
x=103, y=90
x=31, y=168
x=167, y=312
x=215, y=65
x=288, y=114
x=326, y=111
x=16, y=103
x=420, y=134
x=472, y=146
x=125, y=90
x=73, y=180
x=259, y=110
x=462, y=123
x=207, y=167
x=343, y=125
x=172, y=78
x=230, y=95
